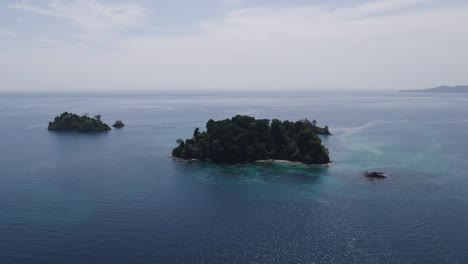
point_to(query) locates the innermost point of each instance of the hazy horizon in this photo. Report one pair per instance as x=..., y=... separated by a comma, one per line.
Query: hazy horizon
x=187, y=91
x=225, y=45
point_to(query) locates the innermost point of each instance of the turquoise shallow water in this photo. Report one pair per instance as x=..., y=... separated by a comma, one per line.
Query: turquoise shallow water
x=119, y=198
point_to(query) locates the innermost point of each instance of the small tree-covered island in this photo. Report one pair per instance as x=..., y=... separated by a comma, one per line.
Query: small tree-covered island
x=84, y=124
x=244, y=139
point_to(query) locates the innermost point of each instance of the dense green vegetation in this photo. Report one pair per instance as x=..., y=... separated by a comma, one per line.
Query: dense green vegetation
x=118, y=124
x=71, y=122
x=245, y=139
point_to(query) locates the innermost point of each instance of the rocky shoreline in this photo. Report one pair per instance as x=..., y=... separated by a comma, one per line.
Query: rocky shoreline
x=260, y=161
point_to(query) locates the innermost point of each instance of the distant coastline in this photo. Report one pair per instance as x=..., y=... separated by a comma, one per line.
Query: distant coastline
x=441, y=89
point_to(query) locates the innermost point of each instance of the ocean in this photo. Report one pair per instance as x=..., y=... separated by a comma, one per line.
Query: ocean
x=119, y=197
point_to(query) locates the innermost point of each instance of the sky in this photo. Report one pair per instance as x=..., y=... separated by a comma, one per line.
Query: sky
x=155, y=45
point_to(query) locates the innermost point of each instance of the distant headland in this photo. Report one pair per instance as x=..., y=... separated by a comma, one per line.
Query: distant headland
x=244, y=139
x=443, y=89
x=84, y=124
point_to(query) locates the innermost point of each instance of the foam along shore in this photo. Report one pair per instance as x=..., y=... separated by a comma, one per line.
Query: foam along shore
x=260, y=161
x=185, y=160
x=294, y=163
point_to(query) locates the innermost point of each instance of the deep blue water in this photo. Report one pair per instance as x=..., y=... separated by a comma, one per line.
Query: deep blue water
x=119, y=197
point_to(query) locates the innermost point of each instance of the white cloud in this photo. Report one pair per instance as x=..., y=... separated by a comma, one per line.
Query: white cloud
x=302, y=47
x=89, y=16
x=377, y=7
x=4, y=32
x=49, y=41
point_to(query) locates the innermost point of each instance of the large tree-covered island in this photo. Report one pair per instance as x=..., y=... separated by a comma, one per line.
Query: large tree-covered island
x=246, y=139
x=84, y=124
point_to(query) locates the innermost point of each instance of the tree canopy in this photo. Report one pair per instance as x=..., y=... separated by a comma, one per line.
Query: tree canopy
x=71, y=122
x=245, y=139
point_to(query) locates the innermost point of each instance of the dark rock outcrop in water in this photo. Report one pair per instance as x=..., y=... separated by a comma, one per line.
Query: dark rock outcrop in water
x=246, y=139
x=84, y=124
x=118, y=124
x=374, y=175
